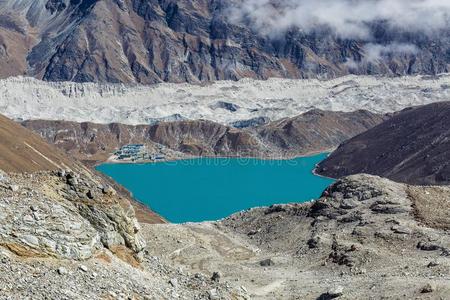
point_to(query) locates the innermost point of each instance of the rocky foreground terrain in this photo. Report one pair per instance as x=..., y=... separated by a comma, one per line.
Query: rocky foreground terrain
x=366, y=237
x=313, y=131
x=412, y=147
x=64, y=236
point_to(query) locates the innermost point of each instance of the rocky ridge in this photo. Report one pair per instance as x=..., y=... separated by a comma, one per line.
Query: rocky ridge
x=366, y=237
x=313, y=131
x=65, y=216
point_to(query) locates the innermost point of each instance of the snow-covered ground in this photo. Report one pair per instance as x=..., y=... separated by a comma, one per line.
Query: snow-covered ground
x=27, y=98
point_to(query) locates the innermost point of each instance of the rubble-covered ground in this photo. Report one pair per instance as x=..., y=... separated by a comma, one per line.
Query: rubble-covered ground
x=366, y=238
x=63, y=235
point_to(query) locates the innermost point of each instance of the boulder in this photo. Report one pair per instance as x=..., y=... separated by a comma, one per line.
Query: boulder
x=216, y=276
x=428, y=288
x=62, y=271
x=266, y=262
x=108, y=191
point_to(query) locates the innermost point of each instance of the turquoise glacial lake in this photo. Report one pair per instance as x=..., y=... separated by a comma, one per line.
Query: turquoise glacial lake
x=209, y=189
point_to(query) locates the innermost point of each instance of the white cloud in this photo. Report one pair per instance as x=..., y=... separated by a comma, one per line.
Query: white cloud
x=375, y=52
x=347, y=18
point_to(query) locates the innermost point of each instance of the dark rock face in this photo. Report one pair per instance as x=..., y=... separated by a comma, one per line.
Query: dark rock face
x=313, y=131
x=147, y=41
x=412, y=147
x=55, y=6
x=254, y=122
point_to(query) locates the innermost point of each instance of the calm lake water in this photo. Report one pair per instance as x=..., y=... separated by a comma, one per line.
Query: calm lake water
x=211, y=188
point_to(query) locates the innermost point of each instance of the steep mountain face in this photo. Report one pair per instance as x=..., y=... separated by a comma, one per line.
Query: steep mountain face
x=313, y=131
x=412, y=147
x=146, y=41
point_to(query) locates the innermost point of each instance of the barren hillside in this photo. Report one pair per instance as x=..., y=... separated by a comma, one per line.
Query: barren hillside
x=24, y=151
x=313, y=131
x=412, y=147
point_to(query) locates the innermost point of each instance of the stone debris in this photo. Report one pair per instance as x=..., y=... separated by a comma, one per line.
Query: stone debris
x=83, y=268
x=432, y=264
x=56, y=243
x=3, y=176
x=216, y=276
x=108, y=191
x=62, y=271
x=335, y=292
x=266, y=262
x=428, y=288
x=213, y=294
x=173, y=282
x=14, y=187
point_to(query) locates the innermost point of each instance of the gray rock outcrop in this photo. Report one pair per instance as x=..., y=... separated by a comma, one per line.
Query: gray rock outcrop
x=51, y=215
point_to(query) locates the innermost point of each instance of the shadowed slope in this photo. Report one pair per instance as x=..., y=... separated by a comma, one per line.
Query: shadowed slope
x=412, y=147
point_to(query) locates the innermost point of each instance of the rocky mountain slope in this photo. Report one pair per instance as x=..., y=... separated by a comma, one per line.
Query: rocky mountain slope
x=137, y=41
x=412, y=147
x=64, y=236
x=313, y=131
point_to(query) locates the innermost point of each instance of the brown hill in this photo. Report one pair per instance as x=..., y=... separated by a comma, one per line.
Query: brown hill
x=317, y=130
x=412, y=147
x=23, y=151
x=313, y=131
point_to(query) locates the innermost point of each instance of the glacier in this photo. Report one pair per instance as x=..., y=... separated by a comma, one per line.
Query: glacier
x=25, y=98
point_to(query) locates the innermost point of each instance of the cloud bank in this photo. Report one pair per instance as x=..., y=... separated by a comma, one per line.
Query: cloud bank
x=374, y=53
x=347, y=18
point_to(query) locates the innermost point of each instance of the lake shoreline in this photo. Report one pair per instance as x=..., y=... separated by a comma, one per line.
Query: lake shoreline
x=248, y=183
x=266, y=158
